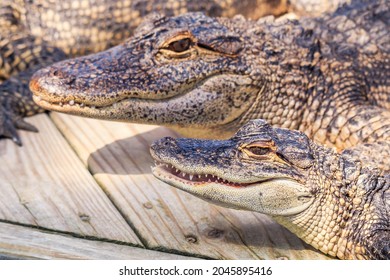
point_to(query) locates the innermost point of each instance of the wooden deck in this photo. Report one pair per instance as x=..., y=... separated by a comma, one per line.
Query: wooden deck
x=83, y=189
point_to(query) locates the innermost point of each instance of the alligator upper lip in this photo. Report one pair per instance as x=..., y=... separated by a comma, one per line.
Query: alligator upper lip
x=48, y=100
x=199, y=178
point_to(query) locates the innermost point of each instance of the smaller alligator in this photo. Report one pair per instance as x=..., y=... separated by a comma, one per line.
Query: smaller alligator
x=338, y=203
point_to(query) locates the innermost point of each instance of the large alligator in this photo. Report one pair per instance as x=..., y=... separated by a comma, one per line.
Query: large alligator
x=36, y=33
x=327, y=76
x=338, y=203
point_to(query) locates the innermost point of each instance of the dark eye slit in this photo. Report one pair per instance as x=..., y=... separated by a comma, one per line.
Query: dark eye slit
x=260, y=151
x=180, y=45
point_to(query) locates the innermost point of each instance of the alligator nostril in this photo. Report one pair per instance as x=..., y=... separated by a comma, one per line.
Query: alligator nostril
x=58, y=73
x=168, y=142
x=61, y=76
x=55, y=72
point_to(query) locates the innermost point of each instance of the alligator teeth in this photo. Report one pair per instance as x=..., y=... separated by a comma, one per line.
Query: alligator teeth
x=183, y=174
x=61, y=104
x=191, y=176
x=71, y=102
x=81, y=104
x=199, y=176
x=209, y=181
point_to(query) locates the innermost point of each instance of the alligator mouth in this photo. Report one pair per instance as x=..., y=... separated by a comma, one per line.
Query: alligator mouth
x=69, y=103
x=50, y=100
x=73, y=104
x=77, y=103
x=168, y=171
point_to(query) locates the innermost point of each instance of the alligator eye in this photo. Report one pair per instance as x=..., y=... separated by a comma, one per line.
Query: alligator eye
x=259, y=151
x=180, y=45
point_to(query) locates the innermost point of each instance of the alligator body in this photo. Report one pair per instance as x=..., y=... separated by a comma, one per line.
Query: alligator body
x=338, y=203
x=327, y=76
x=36, y=33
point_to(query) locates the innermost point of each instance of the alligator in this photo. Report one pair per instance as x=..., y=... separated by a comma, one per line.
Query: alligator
x=336, y=202
x=327, y=76
x=37, y=33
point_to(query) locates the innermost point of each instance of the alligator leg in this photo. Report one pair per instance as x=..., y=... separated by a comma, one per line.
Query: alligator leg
x=16, y=103
x=21, y=55
x=16, y=99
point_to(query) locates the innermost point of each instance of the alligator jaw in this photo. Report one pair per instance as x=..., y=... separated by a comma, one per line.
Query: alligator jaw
x=109, y=111
x=166, y=171
x=78, y=108
x=259, y=195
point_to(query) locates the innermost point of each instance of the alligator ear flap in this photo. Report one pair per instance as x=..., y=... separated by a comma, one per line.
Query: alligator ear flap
x=230, y=45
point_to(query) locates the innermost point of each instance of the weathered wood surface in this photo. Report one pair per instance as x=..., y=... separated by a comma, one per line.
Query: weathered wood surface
x=117, y=155
x=28, y=243
x=44, y=184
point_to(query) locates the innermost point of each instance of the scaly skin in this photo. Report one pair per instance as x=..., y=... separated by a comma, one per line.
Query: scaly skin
x=314, y=7
x=205, y=77
x=338, y=203
x=36, y=33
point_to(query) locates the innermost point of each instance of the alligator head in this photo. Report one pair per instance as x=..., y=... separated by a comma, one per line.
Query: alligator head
x=208, y=168
x=187, y=72
x=323, y=197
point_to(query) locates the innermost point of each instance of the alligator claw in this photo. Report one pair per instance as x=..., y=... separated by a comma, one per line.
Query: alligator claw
x=16, y=139
x=22, y=124
x=10, y=122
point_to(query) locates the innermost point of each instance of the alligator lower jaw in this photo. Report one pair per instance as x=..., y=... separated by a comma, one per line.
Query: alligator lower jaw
x=168, y=172
x=115, y=111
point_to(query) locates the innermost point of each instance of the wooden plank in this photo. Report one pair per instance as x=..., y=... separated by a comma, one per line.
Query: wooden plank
x=118, y=156
x=44, y=184
x=28, y=243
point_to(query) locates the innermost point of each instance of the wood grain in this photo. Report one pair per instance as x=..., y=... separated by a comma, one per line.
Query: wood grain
x=118, y=156
x=44, y=184
x=17, y=242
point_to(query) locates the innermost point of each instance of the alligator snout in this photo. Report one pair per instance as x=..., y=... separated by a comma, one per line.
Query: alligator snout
x=49, y=81
x=158, y=147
